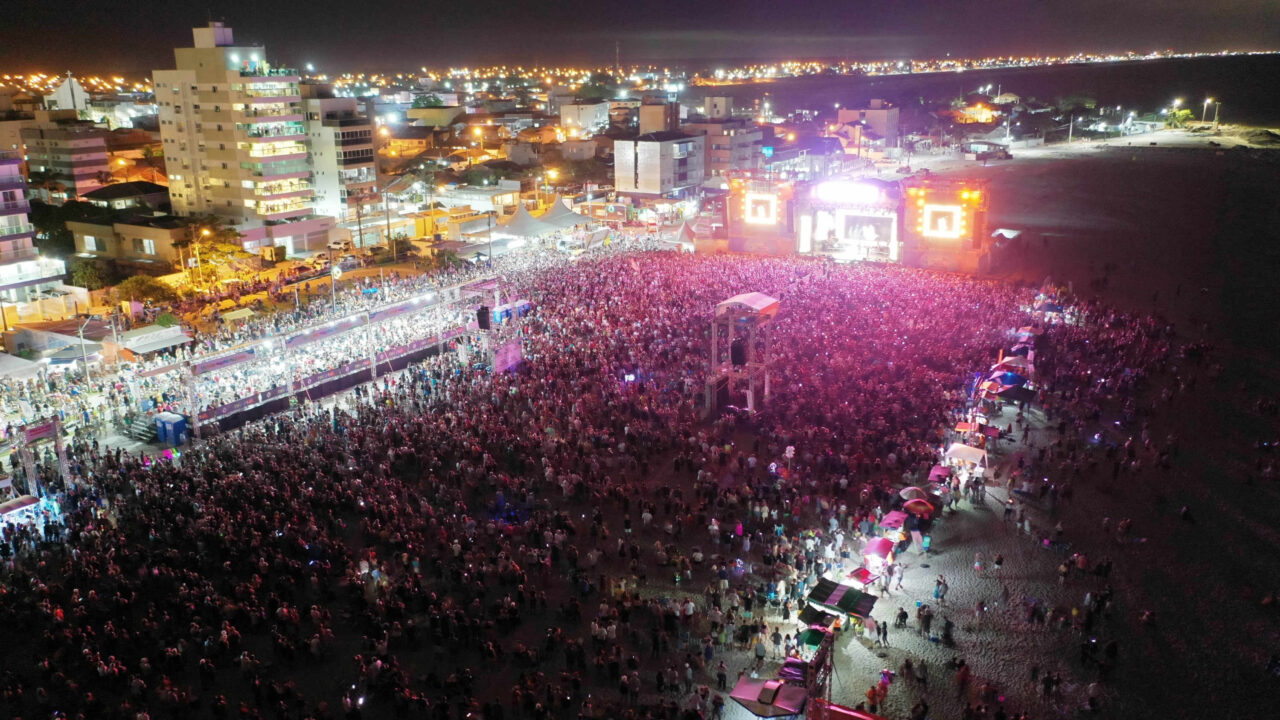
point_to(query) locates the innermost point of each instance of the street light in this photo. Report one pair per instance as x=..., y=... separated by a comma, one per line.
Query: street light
x=1204, y=114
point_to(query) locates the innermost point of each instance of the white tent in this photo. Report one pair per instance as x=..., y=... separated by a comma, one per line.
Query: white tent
x=960, y=451
x=523, y=225
x=682, y=239
x=14, y=367
x=561, y=216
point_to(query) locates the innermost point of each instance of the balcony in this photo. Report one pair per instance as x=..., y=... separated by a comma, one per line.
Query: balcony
x=14, y=206
x=282, y=189
x=274, y=149
x=30, y=272
x=8, y=231
x=254, y=72
x=266, y=114
x=276, y=130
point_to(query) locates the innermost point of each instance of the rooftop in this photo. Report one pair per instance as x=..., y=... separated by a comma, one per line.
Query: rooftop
x=118, y=191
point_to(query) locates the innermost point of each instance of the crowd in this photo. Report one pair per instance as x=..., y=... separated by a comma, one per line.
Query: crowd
x=568, y=540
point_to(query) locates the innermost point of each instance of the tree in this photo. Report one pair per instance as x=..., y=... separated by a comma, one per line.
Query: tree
x=211, y=243
x=92, y=274
x=145, y=287
x=427, y=101
x=1177, y=117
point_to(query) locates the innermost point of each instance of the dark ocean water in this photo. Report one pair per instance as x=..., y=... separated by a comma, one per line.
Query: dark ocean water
x=1246, y=85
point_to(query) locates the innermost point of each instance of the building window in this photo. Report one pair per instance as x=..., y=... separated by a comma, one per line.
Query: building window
x=144, y=246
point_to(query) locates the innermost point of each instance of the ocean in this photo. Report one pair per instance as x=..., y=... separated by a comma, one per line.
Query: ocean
x=1245, y=85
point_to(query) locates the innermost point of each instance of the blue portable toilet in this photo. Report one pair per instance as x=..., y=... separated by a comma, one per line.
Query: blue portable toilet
x=171, y=428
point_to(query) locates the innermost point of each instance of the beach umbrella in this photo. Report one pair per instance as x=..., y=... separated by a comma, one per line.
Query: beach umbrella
x=879, y=547
x=913, y=493
x=918, y=507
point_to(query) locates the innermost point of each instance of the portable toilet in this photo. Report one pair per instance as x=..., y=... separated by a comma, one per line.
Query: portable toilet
x=171, y=428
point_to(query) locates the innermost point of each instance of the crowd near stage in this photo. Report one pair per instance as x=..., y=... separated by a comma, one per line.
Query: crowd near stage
x=590, y=529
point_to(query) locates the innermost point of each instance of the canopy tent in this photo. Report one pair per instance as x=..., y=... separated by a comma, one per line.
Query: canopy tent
x=769, y=698
x=12, y=366
x=960, y=451
x=878, y=547
x=918, y=507
x=812, y=637
x=151, y=338
x=832, y=595
x=75, y=352
x=682, y=239
x=561, y=216
x=893, y=520
x=811, y=615
x=1022, y=349
x=241, y=314
x=1029, y=330
x=523, y=225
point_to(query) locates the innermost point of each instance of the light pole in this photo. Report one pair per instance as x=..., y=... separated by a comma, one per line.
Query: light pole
x=1204, y=114
x=1216, y=107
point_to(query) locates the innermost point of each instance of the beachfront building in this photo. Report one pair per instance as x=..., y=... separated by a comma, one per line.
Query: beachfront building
x=66, y=157
x=235, y=142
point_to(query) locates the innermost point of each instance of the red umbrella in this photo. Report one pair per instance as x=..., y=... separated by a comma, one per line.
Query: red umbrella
x=918, y=507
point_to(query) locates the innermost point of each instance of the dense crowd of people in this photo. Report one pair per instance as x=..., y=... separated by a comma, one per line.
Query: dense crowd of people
x=571, y=539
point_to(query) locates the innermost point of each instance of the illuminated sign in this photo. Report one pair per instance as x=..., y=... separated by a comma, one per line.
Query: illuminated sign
x=942, y=221
x=761, y=209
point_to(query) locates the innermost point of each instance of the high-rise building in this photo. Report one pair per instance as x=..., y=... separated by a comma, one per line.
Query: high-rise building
x=340, y=146
x=234, y=139
x=24, y=275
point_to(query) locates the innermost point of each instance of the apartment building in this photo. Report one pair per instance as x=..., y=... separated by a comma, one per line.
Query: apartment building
x=341, y=150
x=68, y=156
x=664, y=164
x=733, y=144
x=25, y=276
x=235, y=142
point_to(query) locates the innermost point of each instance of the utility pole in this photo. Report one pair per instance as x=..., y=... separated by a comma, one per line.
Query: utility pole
x=84, y=354
x=1071, y=125
x=360, y=219
x=386, y=207
x=489, y=217
x=1216, y=107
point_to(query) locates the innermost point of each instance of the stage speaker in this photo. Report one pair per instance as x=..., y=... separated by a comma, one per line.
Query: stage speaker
x=483, y=317
x=738, y=352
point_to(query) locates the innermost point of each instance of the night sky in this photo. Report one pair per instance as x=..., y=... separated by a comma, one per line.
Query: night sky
x=135, y=36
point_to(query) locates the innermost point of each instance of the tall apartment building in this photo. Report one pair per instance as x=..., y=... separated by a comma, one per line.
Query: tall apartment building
x=70, y=154
x=340, y=145
x=665, y=164
x=235, y=145
x=23, y=273
x=733, y=145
